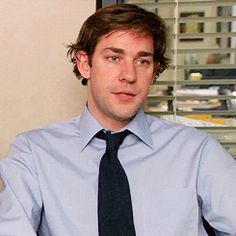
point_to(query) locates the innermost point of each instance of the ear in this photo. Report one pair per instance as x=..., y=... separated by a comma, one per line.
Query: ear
x=82, y=62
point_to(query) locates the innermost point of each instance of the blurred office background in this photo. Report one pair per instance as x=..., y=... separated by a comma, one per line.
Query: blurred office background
x=37, y=85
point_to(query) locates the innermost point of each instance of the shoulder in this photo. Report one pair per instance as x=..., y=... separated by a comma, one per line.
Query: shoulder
x=190, y=144
x=47, y=134
x=66, y=127
x=187, y=139
x=182, y=138
x=161, y=127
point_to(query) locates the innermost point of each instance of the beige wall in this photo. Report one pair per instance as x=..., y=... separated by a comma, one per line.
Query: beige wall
x=37, y=86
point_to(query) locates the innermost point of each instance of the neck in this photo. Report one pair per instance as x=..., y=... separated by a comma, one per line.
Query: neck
x=109, y=122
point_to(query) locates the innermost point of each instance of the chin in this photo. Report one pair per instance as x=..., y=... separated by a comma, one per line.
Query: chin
x=126, y=116
x=124, y=112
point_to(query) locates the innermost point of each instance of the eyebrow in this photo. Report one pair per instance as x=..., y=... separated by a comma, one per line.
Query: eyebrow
x=121, y=51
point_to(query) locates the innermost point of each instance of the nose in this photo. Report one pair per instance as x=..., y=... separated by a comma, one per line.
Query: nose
x=128, y=73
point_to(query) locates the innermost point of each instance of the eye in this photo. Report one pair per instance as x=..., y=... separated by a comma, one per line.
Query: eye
x=143, y=61
x=113, y=58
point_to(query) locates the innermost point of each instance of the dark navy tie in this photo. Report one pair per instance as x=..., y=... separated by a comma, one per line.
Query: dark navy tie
x=115, y=215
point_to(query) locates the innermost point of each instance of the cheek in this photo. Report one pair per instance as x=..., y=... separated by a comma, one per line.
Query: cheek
x=146, y=75
x=101, y=74
x=145, y=82
x=99, y=85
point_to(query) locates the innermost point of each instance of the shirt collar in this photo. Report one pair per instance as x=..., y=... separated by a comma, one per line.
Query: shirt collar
x=89, y=126
x=140, y=127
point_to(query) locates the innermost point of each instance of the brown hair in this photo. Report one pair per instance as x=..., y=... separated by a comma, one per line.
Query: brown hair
x=120, y=17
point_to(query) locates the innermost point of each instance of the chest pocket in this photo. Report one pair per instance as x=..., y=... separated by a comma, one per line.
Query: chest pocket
x=171, y=212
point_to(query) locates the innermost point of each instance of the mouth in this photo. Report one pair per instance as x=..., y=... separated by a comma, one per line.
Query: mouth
x=125, y=96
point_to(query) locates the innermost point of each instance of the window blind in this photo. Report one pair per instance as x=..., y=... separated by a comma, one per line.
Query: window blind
x=199, y=89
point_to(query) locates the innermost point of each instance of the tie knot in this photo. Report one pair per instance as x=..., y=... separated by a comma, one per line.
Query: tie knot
x=113, y=141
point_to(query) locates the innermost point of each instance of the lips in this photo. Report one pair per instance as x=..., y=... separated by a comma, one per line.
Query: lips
x=125, y=95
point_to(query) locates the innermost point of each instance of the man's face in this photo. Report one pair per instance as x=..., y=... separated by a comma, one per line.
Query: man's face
x=119, y=78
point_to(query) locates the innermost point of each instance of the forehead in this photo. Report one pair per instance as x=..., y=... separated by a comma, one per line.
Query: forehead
x=126, y=39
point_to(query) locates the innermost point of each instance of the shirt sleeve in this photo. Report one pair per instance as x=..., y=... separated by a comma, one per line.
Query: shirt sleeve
x=217, y=188
x=20, y=200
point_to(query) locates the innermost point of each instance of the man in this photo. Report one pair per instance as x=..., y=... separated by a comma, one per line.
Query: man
x=176, y=174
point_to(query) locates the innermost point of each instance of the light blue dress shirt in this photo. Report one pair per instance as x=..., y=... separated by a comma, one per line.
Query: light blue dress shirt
x=176, y=174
